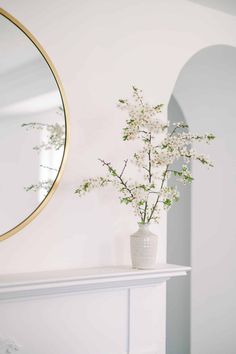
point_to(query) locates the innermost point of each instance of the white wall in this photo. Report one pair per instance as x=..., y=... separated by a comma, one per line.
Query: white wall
x=178, y=252
x=100, y=49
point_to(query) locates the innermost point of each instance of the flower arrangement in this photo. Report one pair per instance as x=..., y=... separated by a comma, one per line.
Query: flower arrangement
x=161, y=144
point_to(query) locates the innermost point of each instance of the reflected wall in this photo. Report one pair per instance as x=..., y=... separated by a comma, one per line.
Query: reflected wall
x=32, y=126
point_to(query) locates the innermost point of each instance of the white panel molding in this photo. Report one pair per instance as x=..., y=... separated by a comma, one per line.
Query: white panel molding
x=83, y=280
x=128, y=320
x=147, y=313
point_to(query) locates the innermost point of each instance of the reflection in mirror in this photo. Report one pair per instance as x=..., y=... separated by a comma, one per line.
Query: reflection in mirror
x=32, y=127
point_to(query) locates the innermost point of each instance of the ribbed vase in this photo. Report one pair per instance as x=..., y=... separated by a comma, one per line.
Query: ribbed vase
x=143, y=247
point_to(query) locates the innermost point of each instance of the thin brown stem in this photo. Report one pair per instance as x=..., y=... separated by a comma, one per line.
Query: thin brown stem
x=149, y=169
x=158, y=197
x=123, y=170
x=111, y=169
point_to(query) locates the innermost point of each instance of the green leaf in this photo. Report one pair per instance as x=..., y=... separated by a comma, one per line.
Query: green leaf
x=211, y=137
x=189, y=178
x=167, y=202
x=112, y=171
x=86, y=186
x=126, y=200
x=177, y=173
x=159, y=107
x=130, y=122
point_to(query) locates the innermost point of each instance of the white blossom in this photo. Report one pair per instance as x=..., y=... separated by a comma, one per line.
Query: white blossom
x=91, y=183
x=55, y=139
x=162, y=145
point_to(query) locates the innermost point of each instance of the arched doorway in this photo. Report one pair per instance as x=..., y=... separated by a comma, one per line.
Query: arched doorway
x=202, y=229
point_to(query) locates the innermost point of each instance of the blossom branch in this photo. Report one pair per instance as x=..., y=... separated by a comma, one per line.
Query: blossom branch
x=114, y=173
x=151, y=193
x=158, y=197
x=149, y=174
x=123, y=170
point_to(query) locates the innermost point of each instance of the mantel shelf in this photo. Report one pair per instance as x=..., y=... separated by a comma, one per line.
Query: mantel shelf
x=81, y=280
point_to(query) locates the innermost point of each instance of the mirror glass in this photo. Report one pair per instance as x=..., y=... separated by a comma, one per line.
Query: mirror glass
x=32, y=127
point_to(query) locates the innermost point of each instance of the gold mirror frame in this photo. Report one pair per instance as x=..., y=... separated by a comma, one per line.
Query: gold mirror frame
x=66, y=114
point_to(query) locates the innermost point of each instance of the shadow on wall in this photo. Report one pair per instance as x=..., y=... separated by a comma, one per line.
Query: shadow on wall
x=201, y=227
x=178, y=252
x=227, y=6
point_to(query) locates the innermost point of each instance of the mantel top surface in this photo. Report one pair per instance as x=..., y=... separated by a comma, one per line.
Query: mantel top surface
x=82, y=274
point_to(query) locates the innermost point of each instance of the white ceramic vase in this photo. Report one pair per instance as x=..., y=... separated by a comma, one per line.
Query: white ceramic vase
x=143, y=247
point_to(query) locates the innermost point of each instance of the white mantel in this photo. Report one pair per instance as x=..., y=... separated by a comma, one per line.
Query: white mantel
x=112, y=310
x=87, y=279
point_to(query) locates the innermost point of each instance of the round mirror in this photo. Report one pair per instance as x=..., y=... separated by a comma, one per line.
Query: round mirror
x=33, y=127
